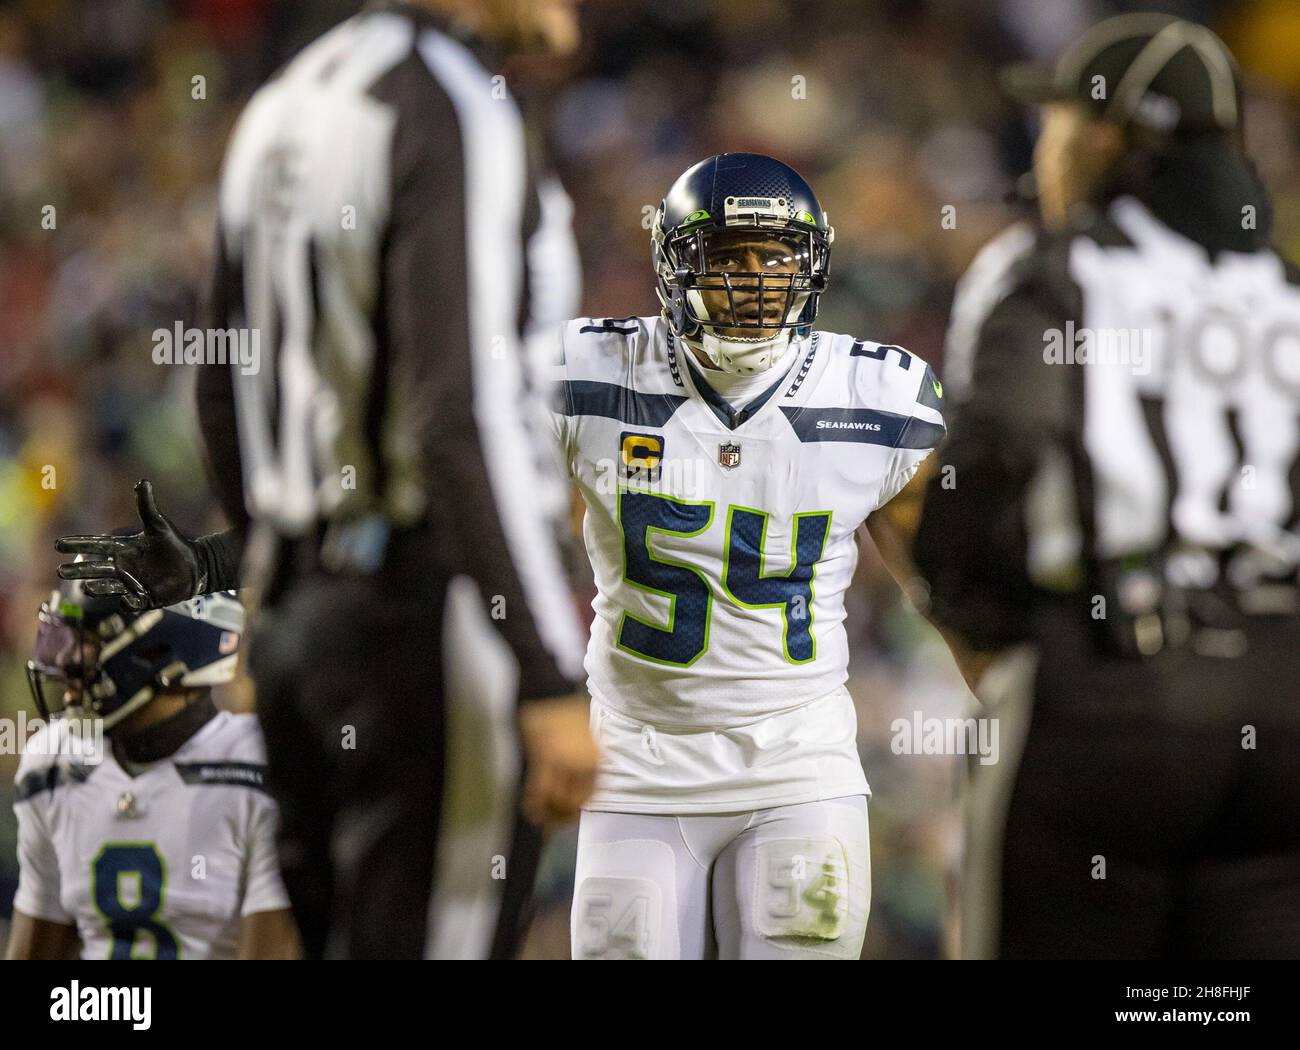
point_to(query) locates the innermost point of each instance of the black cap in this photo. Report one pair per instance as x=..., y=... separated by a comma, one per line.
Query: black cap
x=1152, y=70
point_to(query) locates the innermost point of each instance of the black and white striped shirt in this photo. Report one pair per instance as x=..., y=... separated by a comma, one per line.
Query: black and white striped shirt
x=384, y=230
x=1126, y=428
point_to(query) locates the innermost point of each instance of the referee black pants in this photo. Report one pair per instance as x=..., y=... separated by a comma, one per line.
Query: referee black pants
x=349, y=674
x=1154, y=812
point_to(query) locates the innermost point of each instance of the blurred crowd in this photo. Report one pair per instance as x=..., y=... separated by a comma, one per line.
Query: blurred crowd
x=113, y=120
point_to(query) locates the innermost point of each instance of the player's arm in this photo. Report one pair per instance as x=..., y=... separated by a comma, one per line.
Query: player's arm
x=33, y=938
x=894, y=521
x=560, y=430
x=893, y=530
x=266, y=927
x=40, y=929
x=893, y=525
x=269, y=935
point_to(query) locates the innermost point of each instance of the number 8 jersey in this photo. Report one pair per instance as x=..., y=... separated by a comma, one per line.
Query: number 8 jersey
x=161, y=865
x=723, y=539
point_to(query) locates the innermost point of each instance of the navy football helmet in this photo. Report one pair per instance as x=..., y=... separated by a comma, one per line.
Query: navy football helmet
x=101, y=656
x=708, y=210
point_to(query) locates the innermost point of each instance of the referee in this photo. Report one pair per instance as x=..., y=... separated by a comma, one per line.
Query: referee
x=386, y=232
x=1111, y=529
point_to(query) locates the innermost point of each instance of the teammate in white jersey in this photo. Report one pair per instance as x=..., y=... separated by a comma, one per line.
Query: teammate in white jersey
x=727, y=455
x=161, y=844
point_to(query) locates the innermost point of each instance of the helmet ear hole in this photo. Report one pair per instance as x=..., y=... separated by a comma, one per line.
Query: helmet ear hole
x=171, y=675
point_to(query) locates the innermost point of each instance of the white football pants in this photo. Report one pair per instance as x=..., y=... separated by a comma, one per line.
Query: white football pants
x=793, y=882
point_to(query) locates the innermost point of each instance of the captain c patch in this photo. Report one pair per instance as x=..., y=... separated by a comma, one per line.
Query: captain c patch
x=640, y=456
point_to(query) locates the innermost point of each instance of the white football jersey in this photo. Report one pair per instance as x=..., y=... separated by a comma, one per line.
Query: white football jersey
x=161, y=865
x=723, y=541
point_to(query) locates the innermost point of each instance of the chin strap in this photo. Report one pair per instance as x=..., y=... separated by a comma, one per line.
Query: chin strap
x=744, y=356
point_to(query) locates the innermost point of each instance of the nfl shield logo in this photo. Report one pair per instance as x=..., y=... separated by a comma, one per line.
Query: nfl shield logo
x=729, y=455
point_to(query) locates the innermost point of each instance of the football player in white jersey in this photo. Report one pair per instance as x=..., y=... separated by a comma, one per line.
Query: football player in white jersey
x=160, y=845
x=727, y=455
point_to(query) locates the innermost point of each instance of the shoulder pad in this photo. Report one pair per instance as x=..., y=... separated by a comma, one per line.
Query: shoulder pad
x=599, y=347
x=50, y=759
x=889, y=378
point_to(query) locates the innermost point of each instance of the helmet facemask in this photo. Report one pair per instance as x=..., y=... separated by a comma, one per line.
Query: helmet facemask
x=739, y=292
x=72, y=667
x=64, y=668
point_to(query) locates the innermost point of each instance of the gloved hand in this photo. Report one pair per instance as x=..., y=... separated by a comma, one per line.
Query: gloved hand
x=154, y=567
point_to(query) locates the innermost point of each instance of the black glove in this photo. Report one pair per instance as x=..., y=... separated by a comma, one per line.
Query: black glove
x=151, y=568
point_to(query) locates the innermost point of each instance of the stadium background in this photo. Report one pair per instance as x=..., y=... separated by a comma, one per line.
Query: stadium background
x=900, y=115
